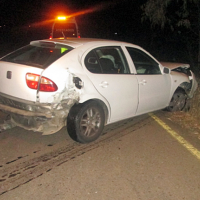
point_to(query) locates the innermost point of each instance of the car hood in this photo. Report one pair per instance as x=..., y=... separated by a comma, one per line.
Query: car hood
x=172, y=65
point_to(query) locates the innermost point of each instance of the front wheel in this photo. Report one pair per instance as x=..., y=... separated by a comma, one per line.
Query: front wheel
x=87, y=123
x=177, y=102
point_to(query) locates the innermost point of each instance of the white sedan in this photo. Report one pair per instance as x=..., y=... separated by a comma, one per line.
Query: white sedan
x=86, y=84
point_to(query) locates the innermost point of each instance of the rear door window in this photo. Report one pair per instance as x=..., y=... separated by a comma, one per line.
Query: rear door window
x=107, y=60
x=40, y=54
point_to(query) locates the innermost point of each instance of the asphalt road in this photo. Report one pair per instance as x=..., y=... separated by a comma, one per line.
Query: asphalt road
x=136, y=159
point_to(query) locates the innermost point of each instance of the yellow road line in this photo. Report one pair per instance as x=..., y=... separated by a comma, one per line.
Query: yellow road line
x=180, y=139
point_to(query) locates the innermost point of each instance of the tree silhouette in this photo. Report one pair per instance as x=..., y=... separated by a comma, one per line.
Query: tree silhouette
x=183, y=19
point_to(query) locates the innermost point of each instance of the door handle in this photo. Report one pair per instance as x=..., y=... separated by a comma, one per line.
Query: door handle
x=104, y=84
x=143, y=82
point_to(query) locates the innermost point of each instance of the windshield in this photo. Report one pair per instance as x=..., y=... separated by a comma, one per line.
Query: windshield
x=40, y=54
x=64, y=30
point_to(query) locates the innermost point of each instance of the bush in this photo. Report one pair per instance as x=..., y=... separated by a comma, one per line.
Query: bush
x=195, y=104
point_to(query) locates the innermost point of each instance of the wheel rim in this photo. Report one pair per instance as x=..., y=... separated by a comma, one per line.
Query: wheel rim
x=90, y=122
x=178, y=102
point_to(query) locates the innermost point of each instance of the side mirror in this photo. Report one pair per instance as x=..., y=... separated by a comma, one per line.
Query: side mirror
x=166, y=70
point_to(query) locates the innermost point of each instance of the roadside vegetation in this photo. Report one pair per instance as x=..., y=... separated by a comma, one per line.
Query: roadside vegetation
x=181, y=20
x=194, y=110
x=189, y=119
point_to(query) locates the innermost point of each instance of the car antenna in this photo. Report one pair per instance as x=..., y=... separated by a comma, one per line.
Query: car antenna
x=63, y=35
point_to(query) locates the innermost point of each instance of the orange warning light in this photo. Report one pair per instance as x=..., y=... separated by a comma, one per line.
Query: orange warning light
x=61, y=18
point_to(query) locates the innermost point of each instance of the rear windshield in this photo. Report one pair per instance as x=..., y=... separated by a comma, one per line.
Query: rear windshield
x=40, y=54
x=64, y=30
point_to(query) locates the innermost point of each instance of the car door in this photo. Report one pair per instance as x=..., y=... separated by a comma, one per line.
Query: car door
x=108, y=70
x=154, y=86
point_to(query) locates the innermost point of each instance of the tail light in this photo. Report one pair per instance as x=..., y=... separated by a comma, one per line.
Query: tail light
x=50, y=37
x=46, y=85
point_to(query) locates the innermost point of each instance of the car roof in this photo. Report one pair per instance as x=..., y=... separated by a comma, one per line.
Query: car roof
x=77, y=42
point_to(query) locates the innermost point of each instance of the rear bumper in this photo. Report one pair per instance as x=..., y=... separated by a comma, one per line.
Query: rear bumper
x=24, y=112
x=23, y=107
x=45, y=118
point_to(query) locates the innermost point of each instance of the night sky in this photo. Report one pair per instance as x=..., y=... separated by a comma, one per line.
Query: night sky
x=20, y=11
x=23, y=21
x=100, y=19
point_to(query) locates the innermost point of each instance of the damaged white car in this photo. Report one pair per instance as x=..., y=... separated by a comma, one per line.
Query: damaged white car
x=85, y=84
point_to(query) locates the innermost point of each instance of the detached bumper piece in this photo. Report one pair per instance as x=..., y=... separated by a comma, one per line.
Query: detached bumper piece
x=7, y=125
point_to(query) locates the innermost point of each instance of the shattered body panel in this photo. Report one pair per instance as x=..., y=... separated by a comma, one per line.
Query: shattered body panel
x=46, y=118
x=182, y=77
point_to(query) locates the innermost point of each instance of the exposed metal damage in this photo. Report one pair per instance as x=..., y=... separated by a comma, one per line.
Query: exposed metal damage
x=190, y=86
x=46, y=118
x=8, y=124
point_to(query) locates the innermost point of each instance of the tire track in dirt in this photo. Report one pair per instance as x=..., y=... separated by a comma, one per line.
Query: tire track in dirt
x=13, y=176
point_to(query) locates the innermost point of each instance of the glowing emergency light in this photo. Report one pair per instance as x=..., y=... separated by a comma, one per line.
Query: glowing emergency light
x=61, y=18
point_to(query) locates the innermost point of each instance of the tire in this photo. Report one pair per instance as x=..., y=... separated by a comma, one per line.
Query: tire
x=86, y=122
x=178, y=101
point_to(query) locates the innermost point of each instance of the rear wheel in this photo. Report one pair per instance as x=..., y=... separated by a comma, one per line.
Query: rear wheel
x=178, y=101
x=87, y=122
